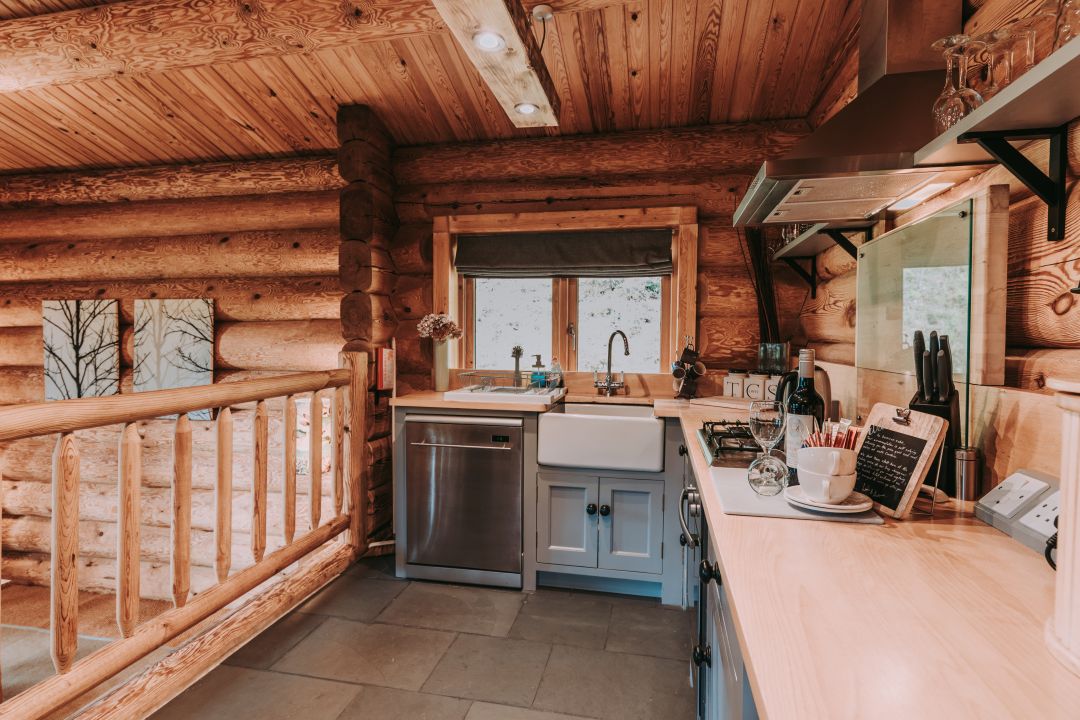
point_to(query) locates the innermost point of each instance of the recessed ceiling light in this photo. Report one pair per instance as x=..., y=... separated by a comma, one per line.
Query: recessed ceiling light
x=526, y=108
x=489, y=41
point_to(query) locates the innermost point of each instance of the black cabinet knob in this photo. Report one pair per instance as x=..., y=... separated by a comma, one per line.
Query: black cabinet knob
x=590, y=508
x=605, y=510
x=709, y=571
x=692, y=540
x=682, y=450
x=702, y=655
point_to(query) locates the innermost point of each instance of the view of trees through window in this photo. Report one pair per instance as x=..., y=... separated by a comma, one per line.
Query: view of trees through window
x=518, y=311
x=512, y=312
x=628, y=304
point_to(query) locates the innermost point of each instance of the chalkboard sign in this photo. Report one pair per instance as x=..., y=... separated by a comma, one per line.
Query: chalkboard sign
x=894, y=455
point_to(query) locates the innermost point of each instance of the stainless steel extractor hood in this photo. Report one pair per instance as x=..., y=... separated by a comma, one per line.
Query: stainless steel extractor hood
x=862, y=159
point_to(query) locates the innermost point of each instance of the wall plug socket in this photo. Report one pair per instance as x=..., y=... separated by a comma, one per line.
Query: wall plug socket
x=1040, y=518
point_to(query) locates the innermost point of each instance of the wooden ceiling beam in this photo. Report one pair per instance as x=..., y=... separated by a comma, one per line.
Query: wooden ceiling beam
x=515, y=72
x=139, y=37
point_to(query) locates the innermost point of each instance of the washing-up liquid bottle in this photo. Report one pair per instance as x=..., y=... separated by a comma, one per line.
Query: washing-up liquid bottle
x=538, y=378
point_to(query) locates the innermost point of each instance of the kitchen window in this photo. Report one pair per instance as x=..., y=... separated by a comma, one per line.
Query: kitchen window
x=570, y=318
x=559, y=283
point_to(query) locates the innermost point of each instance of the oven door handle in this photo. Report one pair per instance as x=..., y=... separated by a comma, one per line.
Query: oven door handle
x=462, y=447
x=691, y=540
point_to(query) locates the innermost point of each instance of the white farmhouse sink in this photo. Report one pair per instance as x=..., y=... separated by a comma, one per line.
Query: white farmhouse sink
x=502, y=394
x=609, y=437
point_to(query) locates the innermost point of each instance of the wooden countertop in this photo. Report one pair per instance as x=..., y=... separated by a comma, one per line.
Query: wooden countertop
x=938, y=618
x=435, y=401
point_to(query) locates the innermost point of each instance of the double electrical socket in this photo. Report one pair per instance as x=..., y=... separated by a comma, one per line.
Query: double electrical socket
x=1024, y=506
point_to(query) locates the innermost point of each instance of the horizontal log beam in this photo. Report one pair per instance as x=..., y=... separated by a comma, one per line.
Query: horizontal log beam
x=98, y=503
x=22, y=384
x=258, y=253
x=140, y=37
x=157, y=218
x=21, y=346
x=725, y=149
x=285, y=345
x=166, y=182
x=246, y=299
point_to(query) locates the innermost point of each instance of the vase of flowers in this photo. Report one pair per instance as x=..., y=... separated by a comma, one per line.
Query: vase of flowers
x=440, y=328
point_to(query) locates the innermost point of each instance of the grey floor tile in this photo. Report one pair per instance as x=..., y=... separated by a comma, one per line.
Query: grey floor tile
x=26, y=656
x=500, y=670
x=649, y=630
x=556, y=616
x=378, y=567
x=354, y=598
x=385, y=655
x=388, y=704
x=231, y=692
x=275, y=641
x=615, y=686
x=487, y=711
x=482, y=611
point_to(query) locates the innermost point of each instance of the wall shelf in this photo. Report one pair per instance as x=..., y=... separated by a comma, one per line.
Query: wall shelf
x=1044, y=97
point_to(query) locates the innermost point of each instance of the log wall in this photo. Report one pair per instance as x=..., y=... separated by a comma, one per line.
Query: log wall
x=1043, y=316
x=259, y=238
x=707, y=167
x=367, y=275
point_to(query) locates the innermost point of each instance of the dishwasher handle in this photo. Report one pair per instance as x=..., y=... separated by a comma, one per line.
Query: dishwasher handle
x=463, y=447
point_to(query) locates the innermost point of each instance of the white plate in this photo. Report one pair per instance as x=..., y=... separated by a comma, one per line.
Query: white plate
x=855, y=502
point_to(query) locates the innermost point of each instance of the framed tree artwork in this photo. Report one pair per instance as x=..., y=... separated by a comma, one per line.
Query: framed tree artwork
x=174, y=345
x=82, y=348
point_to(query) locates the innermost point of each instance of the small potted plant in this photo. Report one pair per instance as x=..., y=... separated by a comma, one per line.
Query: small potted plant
x=440, y=328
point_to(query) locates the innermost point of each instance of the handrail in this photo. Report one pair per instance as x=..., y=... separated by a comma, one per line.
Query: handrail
x=350, y=456
x=62, y=416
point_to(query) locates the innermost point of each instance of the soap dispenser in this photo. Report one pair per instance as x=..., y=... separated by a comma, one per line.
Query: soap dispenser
x=538, y=377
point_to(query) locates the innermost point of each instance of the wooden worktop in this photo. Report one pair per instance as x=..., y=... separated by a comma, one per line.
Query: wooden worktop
x=435, y=401
x=937, y=618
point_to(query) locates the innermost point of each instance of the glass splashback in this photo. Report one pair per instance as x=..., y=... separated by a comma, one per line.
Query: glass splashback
x=917, y=277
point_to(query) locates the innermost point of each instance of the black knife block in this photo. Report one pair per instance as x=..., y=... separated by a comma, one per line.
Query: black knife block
x=950, y=412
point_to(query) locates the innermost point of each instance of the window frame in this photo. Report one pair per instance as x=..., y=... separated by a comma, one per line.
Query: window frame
x=455, y=294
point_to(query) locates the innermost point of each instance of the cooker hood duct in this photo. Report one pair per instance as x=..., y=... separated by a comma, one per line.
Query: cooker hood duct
x=862, y=159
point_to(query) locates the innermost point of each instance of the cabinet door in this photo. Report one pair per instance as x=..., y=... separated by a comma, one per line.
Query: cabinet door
x=565, y=527
x=631, y=524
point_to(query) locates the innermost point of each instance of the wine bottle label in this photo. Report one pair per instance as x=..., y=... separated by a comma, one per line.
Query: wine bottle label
x=798, y=429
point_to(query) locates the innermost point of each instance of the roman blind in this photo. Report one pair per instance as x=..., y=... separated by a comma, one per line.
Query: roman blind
x=600, y=253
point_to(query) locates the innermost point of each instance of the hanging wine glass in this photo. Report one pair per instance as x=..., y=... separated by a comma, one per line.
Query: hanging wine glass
x=965, y=54
x=949, y=107
x=1068, y=23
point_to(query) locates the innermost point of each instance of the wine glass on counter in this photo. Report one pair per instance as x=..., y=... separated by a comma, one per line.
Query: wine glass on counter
x=768, y=474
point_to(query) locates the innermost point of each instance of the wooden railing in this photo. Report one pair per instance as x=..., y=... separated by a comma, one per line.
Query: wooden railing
x=144, y=694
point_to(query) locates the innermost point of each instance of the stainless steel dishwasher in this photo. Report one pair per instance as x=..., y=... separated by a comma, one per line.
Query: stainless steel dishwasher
x=463, y=494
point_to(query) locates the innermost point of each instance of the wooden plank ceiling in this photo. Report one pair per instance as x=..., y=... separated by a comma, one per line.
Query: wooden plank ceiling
x=616, y=66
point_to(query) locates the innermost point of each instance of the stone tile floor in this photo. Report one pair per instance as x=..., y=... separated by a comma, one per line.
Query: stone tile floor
x=372, y=646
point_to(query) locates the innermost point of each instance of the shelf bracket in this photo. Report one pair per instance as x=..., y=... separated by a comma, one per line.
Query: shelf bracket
x=838, y=237
x=810, y=277
x=1049, y=187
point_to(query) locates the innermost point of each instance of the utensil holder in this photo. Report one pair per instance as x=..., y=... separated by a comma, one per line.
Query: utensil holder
x=950, y=412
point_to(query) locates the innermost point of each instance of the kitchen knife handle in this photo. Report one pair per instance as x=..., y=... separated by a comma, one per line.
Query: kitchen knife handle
x=919, y=345
x=928, y=377
x=942, y=378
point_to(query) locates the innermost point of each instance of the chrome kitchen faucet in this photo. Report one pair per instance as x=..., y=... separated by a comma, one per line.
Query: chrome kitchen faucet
x=609, y=385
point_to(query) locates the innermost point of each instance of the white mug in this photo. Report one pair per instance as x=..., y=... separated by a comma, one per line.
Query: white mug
x=830, y=489
x=827, y=460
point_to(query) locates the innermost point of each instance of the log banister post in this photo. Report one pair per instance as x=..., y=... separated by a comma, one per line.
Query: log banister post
x=338, y=448
x=223, y=495
x=356, y=447
x=128, y=539
x=260, y=432
x=64, y=590
x=315, y=457
x=288, y=504
x=181, y=524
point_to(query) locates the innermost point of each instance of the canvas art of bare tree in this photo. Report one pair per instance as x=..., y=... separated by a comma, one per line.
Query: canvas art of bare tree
x=82, y=348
